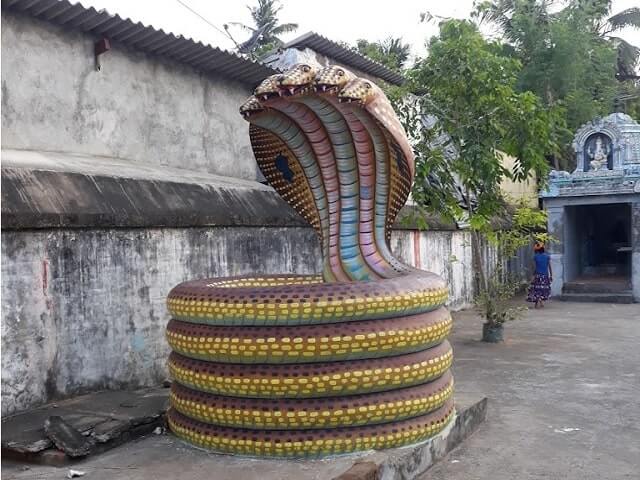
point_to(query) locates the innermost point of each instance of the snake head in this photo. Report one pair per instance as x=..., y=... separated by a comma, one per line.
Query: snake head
x=332, y=78
x=269, y=87
x=358, y=90
x=297, y=78
x=251, y=106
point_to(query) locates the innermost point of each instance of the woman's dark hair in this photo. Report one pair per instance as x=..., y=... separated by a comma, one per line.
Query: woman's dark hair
x=540, y=250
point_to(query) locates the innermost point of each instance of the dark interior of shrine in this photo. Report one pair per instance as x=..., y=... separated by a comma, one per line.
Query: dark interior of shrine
x=598, y=242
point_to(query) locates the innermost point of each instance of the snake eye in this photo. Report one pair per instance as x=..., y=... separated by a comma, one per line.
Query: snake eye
x=306, y=68
x=367, y=85
x=340, y=73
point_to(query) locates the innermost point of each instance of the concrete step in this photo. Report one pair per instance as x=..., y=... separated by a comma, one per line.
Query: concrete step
x=605, y=269
x=621, y=297
x=596, y=287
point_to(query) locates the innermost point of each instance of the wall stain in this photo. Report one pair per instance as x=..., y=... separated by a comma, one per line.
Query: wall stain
x=45, y=283
x=7, y=110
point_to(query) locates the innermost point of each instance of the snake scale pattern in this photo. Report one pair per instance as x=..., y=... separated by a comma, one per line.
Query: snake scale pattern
x=303, y=365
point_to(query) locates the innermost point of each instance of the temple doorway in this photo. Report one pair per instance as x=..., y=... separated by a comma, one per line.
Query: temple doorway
x=594, y=215
x=598, y=244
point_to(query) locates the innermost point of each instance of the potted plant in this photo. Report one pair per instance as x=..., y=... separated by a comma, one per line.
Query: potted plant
x=496, y=307
x=524, y=226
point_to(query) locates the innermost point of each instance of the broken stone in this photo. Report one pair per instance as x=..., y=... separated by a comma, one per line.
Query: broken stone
x=27, y=447
x=96, y=415
x=66, y=438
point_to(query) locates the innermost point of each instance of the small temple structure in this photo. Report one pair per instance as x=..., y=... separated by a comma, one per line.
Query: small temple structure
x=594, y=214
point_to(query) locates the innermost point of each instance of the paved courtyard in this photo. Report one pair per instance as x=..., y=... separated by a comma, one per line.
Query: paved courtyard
x=563, y=392
x=564, y=396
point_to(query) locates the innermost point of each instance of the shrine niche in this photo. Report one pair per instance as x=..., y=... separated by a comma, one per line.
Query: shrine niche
x=598, y=153
x=608, y=143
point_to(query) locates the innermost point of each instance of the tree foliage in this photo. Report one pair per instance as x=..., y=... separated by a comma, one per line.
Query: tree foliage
x=628, y=98
x=391, y=52
x=471, y=90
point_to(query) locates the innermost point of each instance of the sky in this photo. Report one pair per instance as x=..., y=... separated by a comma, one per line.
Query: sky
x=346, y=20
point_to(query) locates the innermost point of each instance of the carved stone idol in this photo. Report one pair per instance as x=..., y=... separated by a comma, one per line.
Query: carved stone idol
x=598, y=155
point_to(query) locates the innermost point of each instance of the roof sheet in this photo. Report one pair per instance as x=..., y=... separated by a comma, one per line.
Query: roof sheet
x=345, y=55
x=204, y=58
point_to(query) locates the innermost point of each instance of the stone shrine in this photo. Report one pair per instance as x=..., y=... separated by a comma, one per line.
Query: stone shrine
x=594, y=214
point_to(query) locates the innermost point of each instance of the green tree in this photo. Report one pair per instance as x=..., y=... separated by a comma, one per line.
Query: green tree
x=582, y=68
x=390, y=52
x=266, y=28
x=470, y=88
x=628, y=98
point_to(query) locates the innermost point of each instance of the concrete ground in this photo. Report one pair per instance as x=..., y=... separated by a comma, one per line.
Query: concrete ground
x=563, y=393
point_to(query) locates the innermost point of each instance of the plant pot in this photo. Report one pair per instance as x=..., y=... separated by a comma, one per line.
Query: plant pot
x=492, y=333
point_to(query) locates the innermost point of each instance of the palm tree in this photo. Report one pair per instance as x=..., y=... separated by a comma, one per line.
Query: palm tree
x=266, y=29
x=501, y=13
x=607, y=25
x=391, y=52
x=396, y=49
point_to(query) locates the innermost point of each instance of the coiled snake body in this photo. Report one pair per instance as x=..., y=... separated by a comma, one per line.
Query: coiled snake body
x=293, y=365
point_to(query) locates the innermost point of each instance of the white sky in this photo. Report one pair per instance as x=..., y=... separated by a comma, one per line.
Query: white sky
x=346, y=20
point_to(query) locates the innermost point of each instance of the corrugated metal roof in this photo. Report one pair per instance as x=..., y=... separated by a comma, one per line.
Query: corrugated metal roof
x=345, y=55
x=204, y=58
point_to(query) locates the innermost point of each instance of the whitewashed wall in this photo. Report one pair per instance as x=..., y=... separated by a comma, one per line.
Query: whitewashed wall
x=446, y=253
x=84, y=309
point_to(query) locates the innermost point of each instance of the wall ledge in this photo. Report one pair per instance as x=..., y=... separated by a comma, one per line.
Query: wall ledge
x=63, y=190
